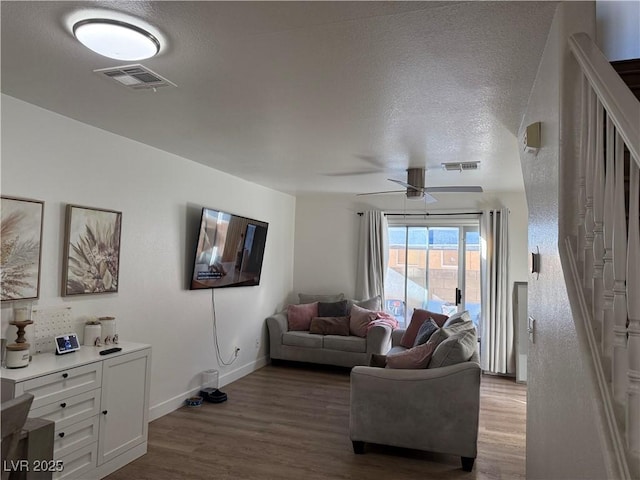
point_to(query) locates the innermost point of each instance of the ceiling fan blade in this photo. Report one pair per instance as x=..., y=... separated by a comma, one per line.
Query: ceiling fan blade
x=454, y=189
x=373, y=160
x=379, y=193
x=405, y=184
x=348, y=174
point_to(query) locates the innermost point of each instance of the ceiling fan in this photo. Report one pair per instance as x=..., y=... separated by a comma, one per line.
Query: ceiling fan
x=415, y=188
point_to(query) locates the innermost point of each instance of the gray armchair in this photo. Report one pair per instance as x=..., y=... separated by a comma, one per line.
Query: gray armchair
x=429, y=409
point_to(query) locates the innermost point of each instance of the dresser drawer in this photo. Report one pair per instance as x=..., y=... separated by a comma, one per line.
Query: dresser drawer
x=78, y=463
x=73, y=436
x=60, y=385
x=70, y=410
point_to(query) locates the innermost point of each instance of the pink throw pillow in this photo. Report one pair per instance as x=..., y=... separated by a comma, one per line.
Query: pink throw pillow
x=416, y=357
x=360, y=320
x=417, y=319
x=299, y=316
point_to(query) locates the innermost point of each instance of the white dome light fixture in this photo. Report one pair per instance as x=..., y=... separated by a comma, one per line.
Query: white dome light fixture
x=116, y=39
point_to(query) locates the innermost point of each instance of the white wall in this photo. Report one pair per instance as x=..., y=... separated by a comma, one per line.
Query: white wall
x=49, y=157
x=618, y=28
x=327, y=230
x=563, y=429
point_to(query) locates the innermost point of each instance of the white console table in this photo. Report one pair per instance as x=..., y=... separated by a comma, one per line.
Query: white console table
x=100, y=405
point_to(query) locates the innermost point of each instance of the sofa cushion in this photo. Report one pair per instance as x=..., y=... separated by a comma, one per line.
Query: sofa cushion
x=373, y=303
x=359, y=320
x=458, y=317
x=345, y=343
x=457, y=348
x=310, y=298
x=418, y=317
x=299, y=316
x=301, y=339
x=396, y=349
x=425, y=332
x=416, y=357
x=332, y=309
x=330, y=326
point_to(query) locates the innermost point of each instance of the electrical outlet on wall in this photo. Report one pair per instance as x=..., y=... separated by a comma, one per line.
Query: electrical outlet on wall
x=257, y=343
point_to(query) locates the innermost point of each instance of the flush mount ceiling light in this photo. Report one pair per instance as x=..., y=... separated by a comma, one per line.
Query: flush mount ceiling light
x=116, y=39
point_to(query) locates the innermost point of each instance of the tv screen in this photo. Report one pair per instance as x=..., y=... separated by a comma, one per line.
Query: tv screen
x=229, y=251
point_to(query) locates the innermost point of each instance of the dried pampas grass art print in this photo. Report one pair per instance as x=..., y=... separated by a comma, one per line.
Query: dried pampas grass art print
x=21, y=237
x=92, y=251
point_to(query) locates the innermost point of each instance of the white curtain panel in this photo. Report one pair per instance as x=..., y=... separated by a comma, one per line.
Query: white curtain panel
x=497, y=347
x=373, y=255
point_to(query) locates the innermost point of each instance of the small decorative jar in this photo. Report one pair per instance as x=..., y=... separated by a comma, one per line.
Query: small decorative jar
x=108, y=329
x=92, y=332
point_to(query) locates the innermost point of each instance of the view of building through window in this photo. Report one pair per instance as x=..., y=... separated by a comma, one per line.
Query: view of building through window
x=429, y=267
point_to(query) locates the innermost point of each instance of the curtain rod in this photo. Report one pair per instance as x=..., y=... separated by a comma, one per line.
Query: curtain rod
x=425, y=214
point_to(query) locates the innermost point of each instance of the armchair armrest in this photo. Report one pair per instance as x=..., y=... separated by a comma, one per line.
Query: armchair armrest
x=379, y=339
x=277, y=324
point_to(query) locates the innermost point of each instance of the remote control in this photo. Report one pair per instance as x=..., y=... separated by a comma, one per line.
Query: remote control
x=110, y=350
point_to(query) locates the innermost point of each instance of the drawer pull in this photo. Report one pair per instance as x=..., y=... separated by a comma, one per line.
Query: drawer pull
x=104, y=412
x=61, y=434
x=65, y=375
x=63, y=405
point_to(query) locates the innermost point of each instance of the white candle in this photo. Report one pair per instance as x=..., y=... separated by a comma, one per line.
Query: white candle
x=20, y=314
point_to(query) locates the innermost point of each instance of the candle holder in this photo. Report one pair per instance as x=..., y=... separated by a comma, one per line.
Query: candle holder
x=21, y=325
x=22, y=311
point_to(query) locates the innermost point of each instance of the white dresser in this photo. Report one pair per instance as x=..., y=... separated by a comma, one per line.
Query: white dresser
x=100, y=405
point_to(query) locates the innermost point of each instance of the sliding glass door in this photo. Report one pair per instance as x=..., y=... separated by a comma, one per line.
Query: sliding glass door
x=434, y=267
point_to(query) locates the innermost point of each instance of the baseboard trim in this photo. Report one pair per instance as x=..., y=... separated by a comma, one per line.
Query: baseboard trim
x=163, y=408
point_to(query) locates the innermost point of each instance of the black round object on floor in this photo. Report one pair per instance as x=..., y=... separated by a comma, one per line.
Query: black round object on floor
x=213, y=395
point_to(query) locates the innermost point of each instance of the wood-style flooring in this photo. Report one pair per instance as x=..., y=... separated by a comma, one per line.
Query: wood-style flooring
x=292, y=422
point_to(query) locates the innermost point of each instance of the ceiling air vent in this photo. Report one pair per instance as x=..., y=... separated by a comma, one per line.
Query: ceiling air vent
x=136, y=77
x=460, y=166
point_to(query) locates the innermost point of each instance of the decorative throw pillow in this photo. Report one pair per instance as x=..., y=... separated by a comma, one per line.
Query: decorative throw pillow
x=425, y=332
x=439, y=336
x=310, y=298
x=330, y=326
x=332, y=309
x=299, y=316
x=458, y=348
x=457, y=317
x=416, y=357
x=417, y=319
x=359, y=320
x=378, y=360
x=373, y=303
x=459, y=327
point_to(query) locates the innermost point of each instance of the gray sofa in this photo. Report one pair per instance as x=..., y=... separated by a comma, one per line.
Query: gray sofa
x=343, y=351
x=432, y=409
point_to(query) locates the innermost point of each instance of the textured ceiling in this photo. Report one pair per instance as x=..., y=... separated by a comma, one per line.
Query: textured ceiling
x=292, y=95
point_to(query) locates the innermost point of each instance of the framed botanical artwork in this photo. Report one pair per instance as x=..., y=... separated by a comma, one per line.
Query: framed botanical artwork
x=91, y=262
x=21, y=234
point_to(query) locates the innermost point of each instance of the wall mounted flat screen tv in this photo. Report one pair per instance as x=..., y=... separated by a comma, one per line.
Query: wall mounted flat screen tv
x=229, y=251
